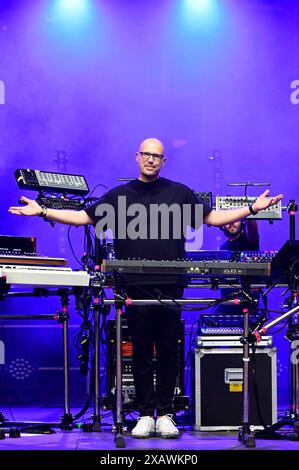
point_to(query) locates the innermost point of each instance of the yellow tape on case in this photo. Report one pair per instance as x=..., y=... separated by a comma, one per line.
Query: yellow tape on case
x=235, y=387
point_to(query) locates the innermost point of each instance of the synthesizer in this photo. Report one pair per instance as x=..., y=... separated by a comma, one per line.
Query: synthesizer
x=236, y=256
x=61, y=203
x=232, y=341
x=224, y=324
x=43, y=276
x=193, y=268
x=10, y=243
x=13, y=257
x=51, y=182
x=22, y=250
x=238, y=202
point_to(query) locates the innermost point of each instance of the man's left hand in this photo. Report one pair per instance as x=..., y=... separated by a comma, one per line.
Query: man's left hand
x=264, y=201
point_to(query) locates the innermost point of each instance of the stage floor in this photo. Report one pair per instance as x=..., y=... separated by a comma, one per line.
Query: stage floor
x=77, y=439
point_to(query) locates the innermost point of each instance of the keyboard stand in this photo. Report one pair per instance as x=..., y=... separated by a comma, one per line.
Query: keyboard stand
x=63, y=317
x=119, y=304
x=66, y=422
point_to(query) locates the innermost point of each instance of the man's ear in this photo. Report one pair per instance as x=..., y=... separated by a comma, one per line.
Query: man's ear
x=163, y=161
x=137, y=156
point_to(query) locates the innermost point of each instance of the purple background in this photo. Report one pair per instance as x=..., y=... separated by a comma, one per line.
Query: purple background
x=206, y=81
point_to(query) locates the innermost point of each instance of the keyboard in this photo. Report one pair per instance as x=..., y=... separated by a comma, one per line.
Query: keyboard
x=60, y=203
x=17, y=257
x=43, y=276
x=192, y=268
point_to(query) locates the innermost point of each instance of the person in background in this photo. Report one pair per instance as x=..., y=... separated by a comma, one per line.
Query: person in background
x=242, y=235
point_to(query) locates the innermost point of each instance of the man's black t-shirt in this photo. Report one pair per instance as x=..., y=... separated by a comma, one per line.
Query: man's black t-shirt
x=160, y=191
x=240, y=244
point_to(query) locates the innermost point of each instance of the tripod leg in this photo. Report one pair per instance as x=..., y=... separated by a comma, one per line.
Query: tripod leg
x=293, y=413
x=245, y=435
x=67, y=418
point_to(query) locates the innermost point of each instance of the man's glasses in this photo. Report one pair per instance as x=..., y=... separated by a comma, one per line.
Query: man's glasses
x=157, y=157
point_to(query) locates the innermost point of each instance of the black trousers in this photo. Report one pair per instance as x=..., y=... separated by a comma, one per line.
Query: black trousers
x=154, y=327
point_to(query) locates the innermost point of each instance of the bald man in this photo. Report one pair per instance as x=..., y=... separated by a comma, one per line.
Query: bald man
x=139, y=237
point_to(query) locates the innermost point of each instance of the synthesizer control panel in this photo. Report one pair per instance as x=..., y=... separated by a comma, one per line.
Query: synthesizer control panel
x=238, y=202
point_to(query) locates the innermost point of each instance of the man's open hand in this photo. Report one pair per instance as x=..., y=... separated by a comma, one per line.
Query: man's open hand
x=264, y=201
x=31, y=208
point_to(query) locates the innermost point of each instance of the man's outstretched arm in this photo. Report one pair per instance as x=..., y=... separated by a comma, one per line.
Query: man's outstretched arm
x=223, y=217
x=69, y=217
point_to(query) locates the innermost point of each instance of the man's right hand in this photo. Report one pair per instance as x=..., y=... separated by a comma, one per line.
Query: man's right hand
x=69, y=217
x=31, y=207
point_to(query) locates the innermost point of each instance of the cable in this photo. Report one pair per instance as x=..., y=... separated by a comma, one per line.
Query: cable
x=95, y=187
x=84, y=341
x=188, y=356
x=71, y=246
x=178, y=306
x=255, y=388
